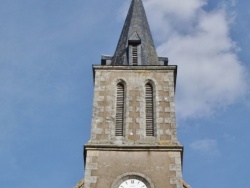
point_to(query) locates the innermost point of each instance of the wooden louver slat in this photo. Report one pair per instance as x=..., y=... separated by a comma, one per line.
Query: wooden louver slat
x=119, y=110
x=135, y=55
x=149, y=111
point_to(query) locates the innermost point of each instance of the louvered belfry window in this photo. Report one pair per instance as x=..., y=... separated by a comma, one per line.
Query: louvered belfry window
x=134, y=54
x=119, y=110
x=149, y=110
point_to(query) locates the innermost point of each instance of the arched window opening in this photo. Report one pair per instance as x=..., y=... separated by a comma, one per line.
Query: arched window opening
x=119, y=110
x=149, y=111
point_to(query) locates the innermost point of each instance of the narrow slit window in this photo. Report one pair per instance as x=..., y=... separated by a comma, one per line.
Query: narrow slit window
x=149, y=111
x=134, y=55
x=119, y=110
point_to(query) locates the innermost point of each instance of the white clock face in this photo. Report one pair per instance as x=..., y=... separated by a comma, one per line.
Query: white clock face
x=132, y=183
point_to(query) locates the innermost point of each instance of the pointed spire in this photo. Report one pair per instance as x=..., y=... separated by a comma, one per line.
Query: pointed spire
x=136, y=31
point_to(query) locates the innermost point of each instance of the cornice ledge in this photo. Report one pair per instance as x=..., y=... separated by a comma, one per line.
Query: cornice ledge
x=141, y=67
x=132, y=147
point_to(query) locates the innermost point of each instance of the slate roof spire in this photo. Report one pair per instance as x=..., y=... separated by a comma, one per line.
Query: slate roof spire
x=136, y=31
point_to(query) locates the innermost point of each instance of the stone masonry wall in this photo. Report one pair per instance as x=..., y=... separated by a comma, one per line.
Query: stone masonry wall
x=108, y=168
x=135, y=79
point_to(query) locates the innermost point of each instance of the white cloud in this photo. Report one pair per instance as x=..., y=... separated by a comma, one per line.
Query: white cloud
x=178, y=8
x=210, y=75
x=206, y=146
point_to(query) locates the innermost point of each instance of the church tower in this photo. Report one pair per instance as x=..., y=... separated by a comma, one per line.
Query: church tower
x=133, y=140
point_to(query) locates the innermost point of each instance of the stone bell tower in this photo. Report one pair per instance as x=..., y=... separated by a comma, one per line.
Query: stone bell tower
x=133, y=137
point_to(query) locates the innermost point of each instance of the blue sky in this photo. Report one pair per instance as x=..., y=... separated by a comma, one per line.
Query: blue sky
x=47, y=49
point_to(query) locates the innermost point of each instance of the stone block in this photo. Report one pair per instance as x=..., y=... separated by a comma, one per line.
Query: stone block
x=174, y=154
x=159, y=120
x=91, y=166
x=93, y=153
x=100, y=98
x=91, y=179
